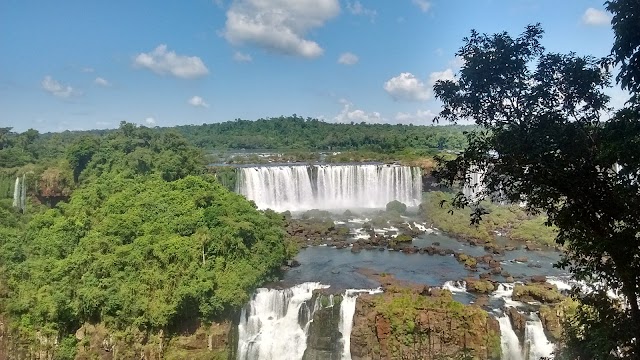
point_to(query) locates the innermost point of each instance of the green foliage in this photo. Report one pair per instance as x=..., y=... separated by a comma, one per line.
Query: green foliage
x=67, y=349
x=294, y=132
x=396, y=206
x=626, y=47
x=511, y=221
x=543, y=138
x=145, y=243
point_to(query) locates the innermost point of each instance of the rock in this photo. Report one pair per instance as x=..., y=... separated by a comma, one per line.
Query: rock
x=293, y=263
x=538, y=279
x=518, y=322
x=479, y=286
x=496, y=271
x=509, y=279
x=436, y=243
x=356, y=248
x=421, y=324
x=522, y=259
x=543, y=292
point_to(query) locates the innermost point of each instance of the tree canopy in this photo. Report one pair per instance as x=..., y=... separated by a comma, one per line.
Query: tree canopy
x=548, y=138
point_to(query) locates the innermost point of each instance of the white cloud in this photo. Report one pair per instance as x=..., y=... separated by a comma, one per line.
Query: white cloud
x=348, y=114
x=57, y=89
x=595, y=17
x=197, y=101
x=424, y=5
x=348, y=59
x=407, y=87
x=422, y=117
x=279, y=25
x=241, y=57
x=356, y=8
x=150, y=121
x=102, y=82
x=162, y=61
x=440, y=75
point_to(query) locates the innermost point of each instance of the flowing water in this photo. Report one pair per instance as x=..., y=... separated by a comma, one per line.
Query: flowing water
x=16, y=193
x=511, y=349
x=275, y=324
x=270, y=326
x=304, y=187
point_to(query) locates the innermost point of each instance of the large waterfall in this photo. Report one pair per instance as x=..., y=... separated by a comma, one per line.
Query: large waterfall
x=511, y=349
x=275, y=323
x=536, y=340
x=304, y=187
x=270, y=326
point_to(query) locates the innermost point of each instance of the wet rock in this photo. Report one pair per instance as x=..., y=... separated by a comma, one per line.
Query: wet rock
x=522, y=259
x=538, y=279
x=293, y=263
x=518, y=322
x=436, y=243
x=543, y=292
x=356, y=248
x=479, y=286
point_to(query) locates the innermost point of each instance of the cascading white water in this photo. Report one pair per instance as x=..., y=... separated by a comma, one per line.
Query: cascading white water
x=269, y=325
x=474, y=187
x=536, y=340
x=16, y=193
x=347, y=310
x=510, y=344
x=275, y=323
x=455, y=286
x=303, y=187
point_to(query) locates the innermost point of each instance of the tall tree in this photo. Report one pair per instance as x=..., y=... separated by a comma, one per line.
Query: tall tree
x=545, y=139
x=626, y=46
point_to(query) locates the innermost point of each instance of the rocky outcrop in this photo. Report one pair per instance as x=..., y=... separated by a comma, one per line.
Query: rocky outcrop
x=323, y=342
x=406, y=324
x=543, y=292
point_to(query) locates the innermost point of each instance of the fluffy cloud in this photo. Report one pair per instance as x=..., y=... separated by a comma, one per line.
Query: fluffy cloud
x=424, y=5
x=348, y=59
x=102, y=82
x=57, y=89
x=595, y=17
x=150, y=121
x=162, y=61
x=421, y=117
x=348, y=114
x=241, y=57
x=197, y=101
x=279, y=25
x=440, y=75
x=407, y=87
x=356, y=8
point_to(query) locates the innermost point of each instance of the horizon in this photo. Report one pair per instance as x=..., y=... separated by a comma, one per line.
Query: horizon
x=78, y=67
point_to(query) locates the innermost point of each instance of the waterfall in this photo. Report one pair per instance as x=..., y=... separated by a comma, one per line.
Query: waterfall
x=455, y=286
x=511, y=349
x=536, y=340
x=303, y=187
x=16, y=193
x=473, y=187
x=347, y=310
x=23, y=194
x=275, y=323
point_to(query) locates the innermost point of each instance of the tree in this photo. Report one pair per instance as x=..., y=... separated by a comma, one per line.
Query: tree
x=626, y=46
x=543, y=139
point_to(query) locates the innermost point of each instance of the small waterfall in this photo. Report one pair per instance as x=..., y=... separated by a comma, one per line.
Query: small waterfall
x=536, y=340
x=347, y=310
x=275, y=323
x=16, y=193
x=474, y=187
x=303, y=187
x=511, y=349
x=455, y=286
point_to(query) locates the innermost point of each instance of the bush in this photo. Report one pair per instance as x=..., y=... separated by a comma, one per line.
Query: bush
x=397, y=206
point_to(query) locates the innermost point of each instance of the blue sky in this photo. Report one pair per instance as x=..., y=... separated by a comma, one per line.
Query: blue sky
x=88, y=64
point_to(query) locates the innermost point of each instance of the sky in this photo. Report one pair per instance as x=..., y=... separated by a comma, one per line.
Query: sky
x=90, y=64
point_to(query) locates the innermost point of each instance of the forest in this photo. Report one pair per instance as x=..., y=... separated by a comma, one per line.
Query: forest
x=142, y=240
